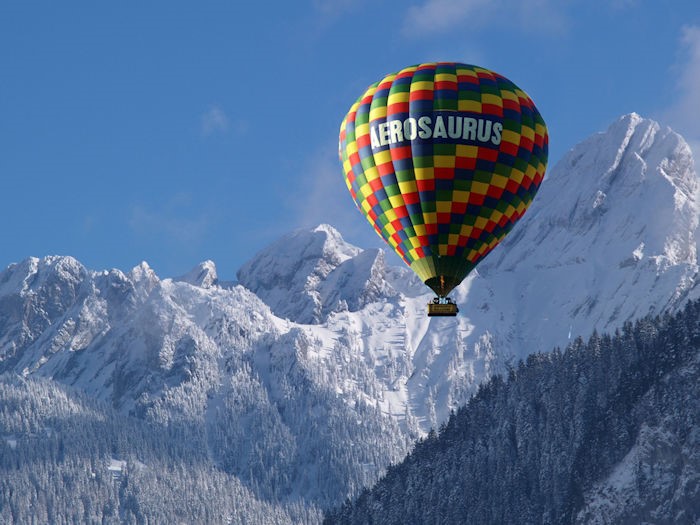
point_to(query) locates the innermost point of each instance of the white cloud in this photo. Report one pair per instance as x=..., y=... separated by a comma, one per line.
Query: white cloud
x=682, y=114
x=437, y=15
x=214, y=121
x=433, y=16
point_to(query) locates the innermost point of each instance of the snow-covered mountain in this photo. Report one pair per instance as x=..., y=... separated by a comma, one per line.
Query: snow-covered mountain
x=305, y=276
x=611, y=236
x=320, y=366
x=260, y=389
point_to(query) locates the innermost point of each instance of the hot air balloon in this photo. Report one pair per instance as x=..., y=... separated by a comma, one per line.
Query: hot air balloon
x=443, y=159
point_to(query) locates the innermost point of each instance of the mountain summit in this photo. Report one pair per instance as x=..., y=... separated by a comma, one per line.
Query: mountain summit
x=611, y=236
x=309, y=274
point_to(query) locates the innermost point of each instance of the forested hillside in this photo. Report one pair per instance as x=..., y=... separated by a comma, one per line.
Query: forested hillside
x=606, y=431
x=66, y=458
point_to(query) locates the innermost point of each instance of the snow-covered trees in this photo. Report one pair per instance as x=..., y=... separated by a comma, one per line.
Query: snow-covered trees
x=65, y=458
x=607, y=431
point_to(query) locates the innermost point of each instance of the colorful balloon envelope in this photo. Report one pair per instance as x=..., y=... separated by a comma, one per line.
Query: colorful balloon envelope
x=443, y=159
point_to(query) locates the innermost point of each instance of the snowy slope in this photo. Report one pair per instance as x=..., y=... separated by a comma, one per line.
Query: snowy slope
x=321, y=359
x=611, y=236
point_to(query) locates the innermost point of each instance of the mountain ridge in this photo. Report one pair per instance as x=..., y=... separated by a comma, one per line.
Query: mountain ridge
x=603, y=262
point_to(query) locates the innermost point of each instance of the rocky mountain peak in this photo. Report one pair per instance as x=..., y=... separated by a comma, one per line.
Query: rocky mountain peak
x=203, y=275
x=288, y=274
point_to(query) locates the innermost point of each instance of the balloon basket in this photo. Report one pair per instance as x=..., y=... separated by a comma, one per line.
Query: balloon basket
x=442, y=307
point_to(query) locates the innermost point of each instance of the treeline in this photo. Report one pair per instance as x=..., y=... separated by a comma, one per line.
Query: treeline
x=606, y=431
x=66, y=458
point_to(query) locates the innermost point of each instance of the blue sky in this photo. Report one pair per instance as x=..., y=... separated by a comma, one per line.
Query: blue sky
x=175, y=132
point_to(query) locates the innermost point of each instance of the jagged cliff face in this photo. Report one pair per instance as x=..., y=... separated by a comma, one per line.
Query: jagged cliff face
x=308, y=275
x=319, y=338
x=611, y=236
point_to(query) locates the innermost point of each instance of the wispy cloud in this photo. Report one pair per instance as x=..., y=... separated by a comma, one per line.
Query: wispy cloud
x=322, y=197
x=214, y=121
x=433, y=16
x=172, y=219
x=621, y=5
x=437, y=15
x=682, y=114
x=326, y=13
x=334, y=8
